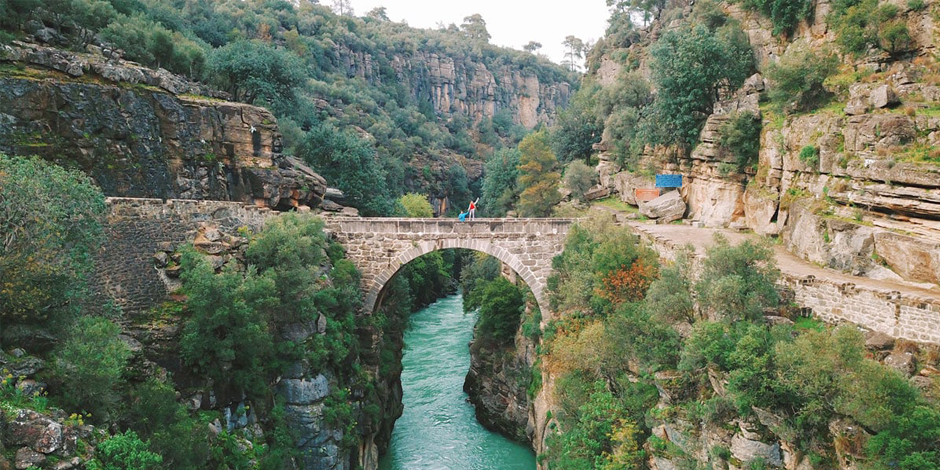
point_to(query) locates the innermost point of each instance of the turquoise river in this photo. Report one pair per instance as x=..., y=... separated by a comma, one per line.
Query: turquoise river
x=438, y=429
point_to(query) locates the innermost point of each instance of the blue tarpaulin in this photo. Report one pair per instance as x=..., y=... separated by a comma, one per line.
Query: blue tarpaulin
x=668, y=181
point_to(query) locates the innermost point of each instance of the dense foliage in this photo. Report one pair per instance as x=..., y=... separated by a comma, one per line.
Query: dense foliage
x=863, y=25
x=500, y=188
x=318, y=71
x=785, y=14
x=740, y=136
x=604, y=355
x=50, y=222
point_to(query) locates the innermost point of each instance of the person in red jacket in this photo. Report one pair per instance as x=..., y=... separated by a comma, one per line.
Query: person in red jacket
x=473, y=209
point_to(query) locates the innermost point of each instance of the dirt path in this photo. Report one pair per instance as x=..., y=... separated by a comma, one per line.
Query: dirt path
x=789, y=264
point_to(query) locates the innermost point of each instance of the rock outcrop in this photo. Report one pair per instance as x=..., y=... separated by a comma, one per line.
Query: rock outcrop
x=665, y=208
x=145, y=133
x=460, y=86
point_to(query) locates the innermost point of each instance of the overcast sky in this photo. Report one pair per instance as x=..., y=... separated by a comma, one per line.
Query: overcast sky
x=511, y=23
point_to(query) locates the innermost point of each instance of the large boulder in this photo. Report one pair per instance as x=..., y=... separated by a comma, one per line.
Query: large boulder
x=665, y=208
x=747, y=450
x=304, y=391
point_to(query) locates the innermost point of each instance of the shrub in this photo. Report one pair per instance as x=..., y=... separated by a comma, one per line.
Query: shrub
x=124, y=451
x=785, y=14
x=253, y=70
x=798, y=78
x=154, y=413
x=416, y=205
x=50, y=224
x=740, y=135
x=810, y=157
x=916, y=5
x=89, y=365
x=579, y=179
x=863, y=24
x=738, y=281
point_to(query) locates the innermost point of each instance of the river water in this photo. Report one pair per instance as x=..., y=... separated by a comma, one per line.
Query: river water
x=438, y=429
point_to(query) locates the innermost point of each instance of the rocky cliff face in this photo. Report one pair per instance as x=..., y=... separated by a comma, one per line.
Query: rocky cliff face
x=466, y=87
x=145, y=133
x=497, y=384
x=866, y=202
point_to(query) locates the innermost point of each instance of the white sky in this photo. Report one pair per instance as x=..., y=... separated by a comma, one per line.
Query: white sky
x=511, y=23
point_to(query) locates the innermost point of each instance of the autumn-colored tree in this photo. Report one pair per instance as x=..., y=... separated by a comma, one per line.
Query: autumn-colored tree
x=628, y=284
x=538, y=176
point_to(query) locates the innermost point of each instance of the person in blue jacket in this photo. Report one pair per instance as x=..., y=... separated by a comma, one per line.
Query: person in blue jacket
x=462, y=216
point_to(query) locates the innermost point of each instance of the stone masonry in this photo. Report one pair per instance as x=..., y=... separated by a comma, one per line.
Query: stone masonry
x=379, y=247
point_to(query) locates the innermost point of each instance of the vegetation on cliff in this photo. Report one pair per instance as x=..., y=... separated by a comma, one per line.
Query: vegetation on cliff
x=318, y=72
x=610, y=354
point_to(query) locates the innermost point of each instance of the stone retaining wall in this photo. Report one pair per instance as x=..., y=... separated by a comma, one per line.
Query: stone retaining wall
x=137, y=228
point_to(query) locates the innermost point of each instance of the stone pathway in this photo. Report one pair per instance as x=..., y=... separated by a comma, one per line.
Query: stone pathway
x=788, y=263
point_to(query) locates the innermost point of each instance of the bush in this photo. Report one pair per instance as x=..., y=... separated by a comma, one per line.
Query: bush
x=862, y=24
x=785, y=14
x=89, y=365
x=154, y=413
x=416, y=205
x=500, y=310
x=740, y=135
x=45, y=259
x=124, y=452
x=798, y=79
x=254, y=70
x=579, y=179
x=150, y=43
x=738, y=281
x=810, y=157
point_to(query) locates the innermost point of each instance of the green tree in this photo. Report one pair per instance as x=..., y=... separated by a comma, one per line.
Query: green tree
x=577, y=129
x=253, y=70
x=579, y=179
x=738, y=281
x=227, y=338
x=349, y=163
x=416, y=205
x=500, y=309
x=500, y=175
x=50, y=224
x=574, y=52
x=155, y=415
x=89, y=365
x=538, y=176
x=532, y=46
x=690, y=67
x=474, y=27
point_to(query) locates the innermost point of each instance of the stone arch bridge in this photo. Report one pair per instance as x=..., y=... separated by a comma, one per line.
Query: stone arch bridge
x=379, y=247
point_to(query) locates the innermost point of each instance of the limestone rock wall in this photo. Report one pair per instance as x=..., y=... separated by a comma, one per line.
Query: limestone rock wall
x=467, y=87
x=145, y=133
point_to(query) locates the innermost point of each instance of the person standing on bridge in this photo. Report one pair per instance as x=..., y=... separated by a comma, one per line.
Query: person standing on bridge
x=472, y=211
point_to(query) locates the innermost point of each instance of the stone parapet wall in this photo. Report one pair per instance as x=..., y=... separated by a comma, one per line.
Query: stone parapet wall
x=900, y=315
x=379, y=247
x=137, y=228
x=906, y=315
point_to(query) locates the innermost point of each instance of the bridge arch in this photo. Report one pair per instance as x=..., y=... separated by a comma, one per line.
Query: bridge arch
x=379, y=247
x=374, y=292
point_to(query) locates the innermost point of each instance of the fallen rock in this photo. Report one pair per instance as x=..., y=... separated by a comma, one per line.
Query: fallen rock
x=878, y=341
x=747, y=450
x=30, y=387
x=883, y=97
x=28, y=458
x=665, y=208
x=903, y=362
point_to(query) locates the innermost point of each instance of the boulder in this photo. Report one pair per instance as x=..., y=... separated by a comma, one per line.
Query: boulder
x=28, y=458
x=883, y=97
x=878, y=341
x=626, y=183
x=30, y=387
x=747, y=450
x=903, y=362
x=304, y=391
x=665, y=208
